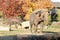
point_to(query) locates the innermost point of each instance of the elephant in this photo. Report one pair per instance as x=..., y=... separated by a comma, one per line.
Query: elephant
x=14, y=21
x=37, y=17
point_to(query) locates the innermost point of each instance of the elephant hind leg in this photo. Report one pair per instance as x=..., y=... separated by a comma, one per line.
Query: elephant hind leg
x=10, y=27
x=31, y=28
x=35, y=28
x=16, y=26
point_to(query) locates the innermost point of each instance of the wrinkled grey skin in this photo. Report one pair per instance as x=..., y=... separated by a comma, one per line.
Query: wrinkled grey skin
x=35, y=19
x=14, y=21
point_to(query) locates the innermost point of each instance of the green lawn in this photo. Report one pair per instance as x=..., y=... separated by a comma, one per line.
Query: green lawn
x=26, y=31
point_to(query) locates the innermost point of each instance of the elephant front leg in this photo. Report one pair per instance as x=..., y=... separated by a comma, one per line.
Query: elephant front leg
x=41, y=27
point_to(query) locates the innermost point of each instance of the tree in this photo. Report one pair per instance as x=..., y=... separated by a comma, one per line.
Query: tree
x=13, y=8
x=39, y=4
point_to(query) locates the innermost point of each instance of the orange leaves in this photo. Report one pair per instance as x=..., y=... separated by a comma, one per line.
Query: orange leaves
x=11, y=7
x=21, y=7
x=37, y=4
x=43, y=4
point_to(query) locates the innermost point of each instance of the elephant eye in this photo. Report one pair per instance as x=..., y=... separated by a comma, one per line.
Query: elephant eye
x=39, y=15
x=36, y=13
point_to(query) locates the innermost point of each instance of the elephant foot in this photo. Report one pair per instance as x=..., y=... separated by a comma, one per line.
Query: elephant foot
x=10, y=29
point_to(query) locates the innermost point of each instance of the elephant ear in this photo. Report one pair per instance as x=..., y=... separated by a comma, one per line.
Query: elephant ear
x=39, y=12
x=36, y=13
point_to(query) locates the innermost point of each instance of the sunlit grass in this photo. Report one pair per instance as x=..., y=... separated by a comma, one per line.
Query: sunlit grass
x=26, y=31
x=52, y=28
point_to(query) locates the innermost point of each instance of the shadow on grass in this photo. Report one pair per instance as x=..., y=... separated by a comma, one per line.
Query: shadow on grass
x=48, y=36
x=13, y=37
x=49, y=32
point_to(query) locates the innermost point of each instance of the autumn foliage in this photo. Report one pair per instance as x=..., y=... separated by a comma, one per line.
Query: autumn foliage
x=13, y=8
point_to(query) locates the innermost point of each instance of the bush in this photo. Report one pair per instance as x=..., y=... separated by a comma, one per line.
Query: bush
x=58, y=13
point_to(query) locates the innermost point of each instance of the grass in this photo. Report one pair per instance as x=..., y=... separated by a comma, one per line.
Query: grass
x=53, y=29
x=26, y=31
x=14, y=32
